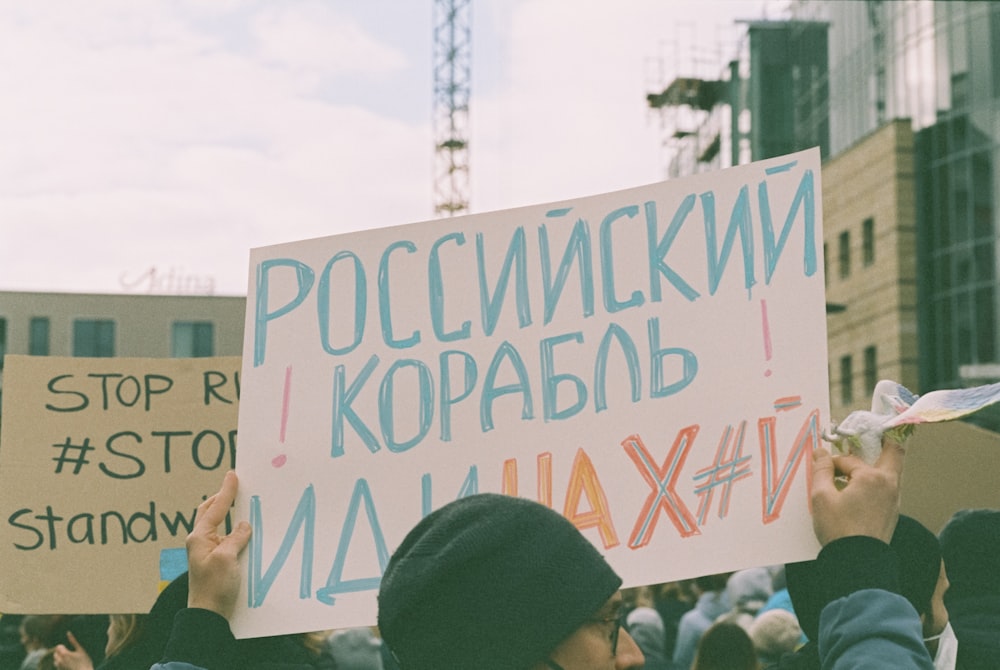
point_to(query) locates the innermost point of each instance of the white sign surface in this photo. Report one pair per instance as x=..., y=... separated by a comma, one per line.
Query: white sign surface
x=650, y=362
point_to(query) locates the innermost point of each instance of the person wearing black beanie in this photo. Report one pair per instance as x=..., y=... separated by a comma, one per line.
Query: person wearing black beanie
x=499, y=583
x=495, y=582
x=913, y=556
x=849, y=599
x=970, y=545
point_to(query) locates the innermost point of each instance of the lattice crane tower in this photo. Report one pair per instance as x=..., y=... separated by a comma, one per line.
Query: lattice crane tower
x=452, y=66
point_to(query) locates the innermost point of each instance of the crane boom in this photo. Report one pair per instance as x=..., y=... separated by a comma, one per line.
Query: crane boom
x=452, y=67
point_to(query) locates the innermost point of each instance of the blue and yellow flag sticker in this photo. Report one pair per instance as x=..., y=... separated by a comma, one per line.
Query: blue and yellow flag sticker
x=173, y=563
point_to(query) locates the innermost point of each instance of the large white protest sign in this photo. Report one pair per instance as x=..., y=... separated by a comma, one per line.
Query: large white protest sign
x=650, y=362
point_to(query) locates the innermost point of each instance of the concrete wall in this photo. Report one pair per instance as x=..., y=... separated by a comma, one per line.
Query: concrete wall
x=143, y=321
x=873, y=179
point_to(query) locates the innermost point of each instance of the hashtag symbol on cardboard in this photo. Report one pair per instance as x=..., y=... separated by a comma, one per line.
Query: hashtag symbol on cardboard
x=74, y=454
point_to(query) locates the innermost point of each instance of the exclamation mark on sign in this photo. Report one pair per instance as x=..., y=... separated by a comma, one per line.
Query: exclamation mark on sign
x=279, y=460
x=767, y=334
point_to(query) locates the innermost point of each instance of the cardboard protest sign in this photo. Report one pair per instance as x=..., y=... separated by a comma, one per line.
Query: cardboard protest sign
x=950, y=466
x=103, y=462
x=650, y=362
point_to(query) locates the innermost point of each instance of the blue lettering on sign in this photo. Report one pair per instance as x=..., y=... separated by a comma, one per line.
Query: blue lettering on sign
x=395, y=403
x=577, y=256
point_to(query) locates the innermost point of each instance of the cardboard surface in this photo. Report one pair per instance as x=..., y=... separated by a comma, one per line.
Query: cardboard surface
x=102, y=464
x=949, y=467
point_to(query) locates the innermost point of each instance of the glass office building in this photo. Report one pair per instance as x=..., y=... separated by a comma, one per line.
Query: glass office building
x=830, y=73
x=937, y=64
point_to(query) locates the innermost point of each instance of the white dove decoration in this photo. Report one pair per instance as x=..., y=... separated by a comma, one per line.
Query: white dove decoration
x=896, y=411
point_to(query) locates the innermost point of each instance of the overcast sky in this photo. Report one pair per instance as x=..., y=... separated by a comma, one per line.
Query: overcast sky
x=178, y=134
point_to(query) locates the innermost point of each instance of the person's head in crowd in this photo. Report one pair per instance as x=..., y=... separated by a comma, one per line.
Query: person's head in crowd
x=139, y=640
x=645, y=625
x=747, y=591
x=715, y=583
x=774, y=633
x=355, y=649
x=638, y=596
x=682, y=591
x=712, y=603
x=90, y=631
x=921, y=581
x=146, y=642
x=970, y=546
x=725, y=646
x=123, y=629
x=136, y=641
x=500, y=583
x=38, y=632
x=674, y=600
x=295, y=650
x=778, y=582
x=496, y=582
x=922, y=577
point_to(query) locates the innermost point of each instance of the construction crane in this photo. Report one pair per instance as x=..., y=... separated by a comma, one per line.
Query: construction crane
x=452, y=67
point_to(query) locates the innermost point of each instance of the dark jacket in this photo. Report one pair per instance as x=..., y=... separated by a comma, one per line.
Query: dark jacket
x=848, y=576
x=976, y=621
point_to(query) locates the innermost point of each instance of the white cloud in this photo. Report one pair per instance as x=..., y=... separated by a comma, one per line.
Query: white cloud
x=179, y=134
x=312, y=36
x=126, y=149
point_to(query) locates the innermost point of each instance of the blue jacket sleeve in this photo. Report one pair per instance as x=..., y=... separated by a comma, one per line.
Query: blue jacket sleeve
x=871, y=628
x=199, y=640
x=865, y=623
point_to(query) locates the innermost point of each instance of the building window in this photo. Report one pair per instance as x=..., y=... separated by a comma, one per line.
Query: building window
x=871, y=368
x=846, y=381
x=94, y=337
x=868, y=241
x=3, y=340
x=38, y=336
x=192, y=339
x=844, y=254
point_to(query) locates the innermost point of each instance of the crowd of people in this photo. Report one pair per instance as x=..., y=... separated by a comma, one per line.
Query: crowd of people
x=138, y=641
x=768, y=617
x=493, y=582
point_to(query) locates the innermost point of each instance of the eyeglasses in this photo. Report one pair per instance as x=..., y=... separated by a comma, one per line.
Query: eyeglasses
x=617, y=623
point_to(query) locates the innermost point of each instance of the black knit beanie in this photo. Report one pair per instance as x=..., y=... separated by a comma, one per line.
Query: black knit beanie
x=490, y=582
x=970, y=545
x=915, y=558
x=919, y=562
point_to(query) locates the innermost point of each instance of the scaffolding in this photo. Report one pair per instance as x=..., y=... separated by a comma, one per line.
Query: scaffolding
x=684, y=96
